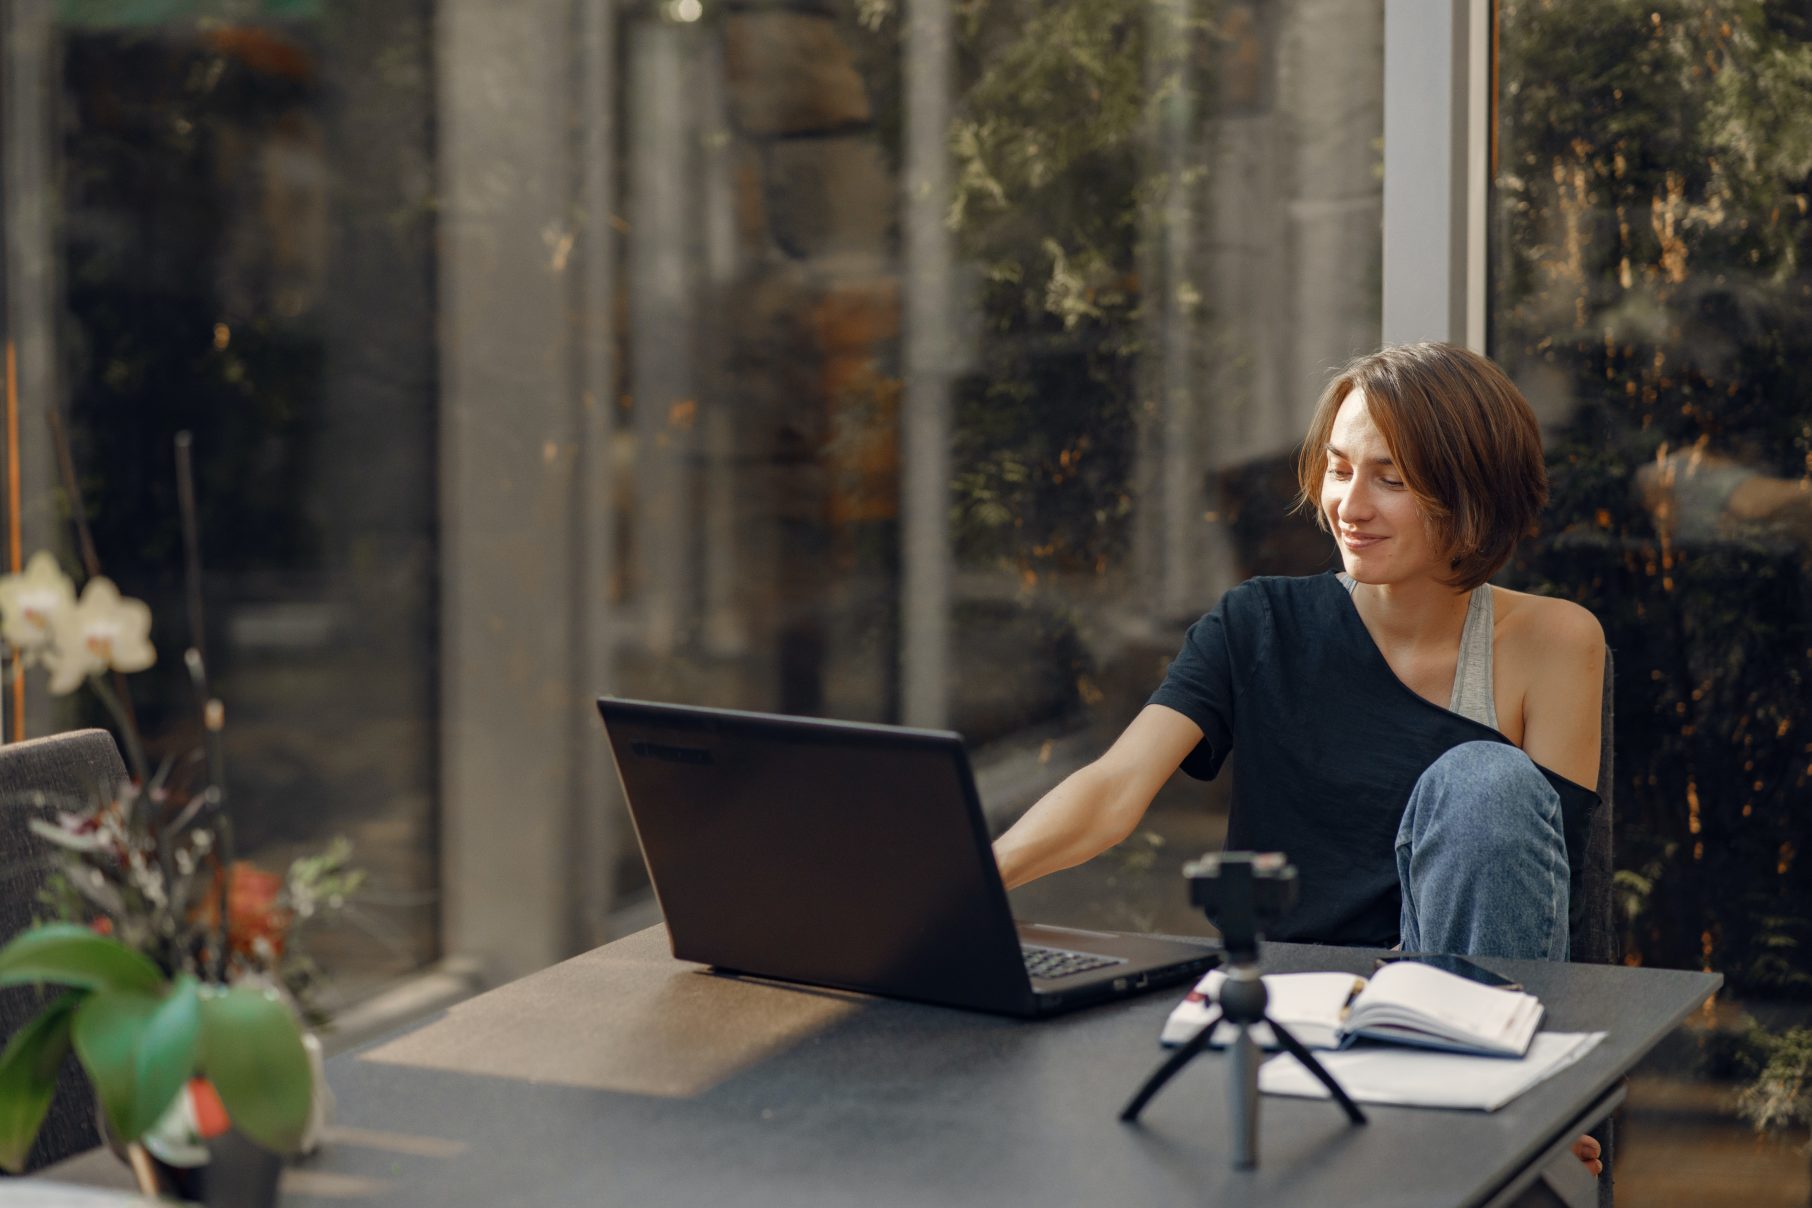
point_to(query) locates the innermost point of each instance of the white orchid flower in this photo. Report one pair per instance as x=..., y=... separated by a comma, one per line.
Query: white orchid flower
x=104, y=630
x=31, y=604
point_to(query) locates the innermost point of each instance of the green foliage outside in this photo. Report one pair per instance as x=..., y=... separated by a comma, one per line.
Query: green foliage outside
x=1054, y=190
x=1651, y=239
x=1780, y=1097
x=1650, y=233
x=1055, y=217
x=1048, y=154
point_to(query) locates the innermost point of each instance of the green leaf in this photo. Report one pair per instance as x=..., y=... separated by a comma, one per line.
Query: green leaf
x=251, y=1050
x=108, y=1030
x=28, y=1078
x=69, y=954
x=167, y=1052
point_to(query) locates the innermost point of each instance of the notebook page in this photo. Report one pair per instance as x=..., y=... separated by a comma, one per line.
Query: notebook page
x=1402, y=991
x=1407, y=1077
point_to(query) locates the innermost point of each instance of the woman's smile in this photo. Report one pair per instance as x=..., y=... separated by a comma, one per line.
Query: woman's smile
x=1369, y=506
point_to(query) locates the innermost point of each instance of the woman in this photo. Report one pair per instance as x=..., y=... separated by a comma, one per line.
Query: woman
x=1415, y=739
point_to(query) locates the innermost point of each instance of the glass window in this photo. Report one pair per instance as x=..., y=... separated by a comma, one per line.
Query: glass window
x=1649, y=292
x=1082, y=265
x=933, y=363
x=235, y=240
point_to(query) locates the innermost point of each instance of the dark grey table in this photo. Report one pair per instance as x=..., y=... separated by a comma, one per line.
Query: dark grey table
x=625, y=1077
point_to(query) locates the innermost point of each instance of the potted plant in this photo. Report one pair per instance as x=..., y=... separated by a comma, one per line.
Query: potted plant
x=142, y=1036
x=182, y=986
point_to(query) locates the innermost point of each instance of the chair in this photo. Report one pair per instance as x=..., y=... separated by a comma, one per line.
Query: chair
x=65, y=768
x=1594, y=938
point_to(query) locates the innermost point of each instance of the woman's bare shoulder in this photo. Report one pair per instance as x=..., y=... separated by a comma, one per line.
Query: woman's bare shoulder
x=1552, y=654
x=1550, y=649
x=1545, y=621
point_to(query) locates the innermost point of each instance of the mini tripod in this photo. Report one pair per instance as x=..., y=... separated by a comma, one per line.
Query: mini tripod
x=1237, y=890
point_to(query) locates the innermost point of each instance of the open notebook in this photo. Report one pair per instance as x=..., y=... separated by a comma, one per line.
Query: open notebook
x=1402, y=1003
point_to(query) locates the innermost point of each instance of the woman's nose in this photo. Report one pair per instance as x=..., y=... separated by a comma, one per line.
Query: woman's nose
x=1354, y=503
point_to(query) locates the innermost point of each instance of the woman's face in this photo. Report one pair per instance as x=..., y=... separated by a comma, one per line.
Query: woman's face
x=1380, y=529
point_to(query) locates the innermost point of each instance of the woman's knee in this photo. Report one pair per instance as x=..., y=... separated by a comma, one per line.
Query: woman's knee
x=1482, y=762
x=1492, y=790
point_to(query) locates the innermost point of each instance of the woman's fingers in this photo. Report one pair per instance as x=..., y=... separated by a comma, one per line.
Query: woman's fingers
x=1587, y=1150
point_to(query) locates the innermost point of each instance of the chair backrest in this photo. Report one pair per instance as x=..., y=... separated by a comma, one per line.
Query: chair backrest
x=35, y=778
x=1594, y=937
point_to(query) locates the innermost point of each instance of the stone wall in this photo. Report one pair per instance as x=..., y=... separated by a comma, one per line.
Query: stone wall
x=813, y=326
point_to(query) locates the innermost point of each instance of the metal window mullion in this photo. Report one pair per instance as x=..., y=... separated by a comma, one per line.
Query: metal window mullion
x=1436, y=145
x=28, y=91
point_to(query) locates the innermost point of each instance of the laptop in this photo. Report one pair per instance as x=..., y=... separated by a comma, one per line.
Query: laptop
x=852, y=856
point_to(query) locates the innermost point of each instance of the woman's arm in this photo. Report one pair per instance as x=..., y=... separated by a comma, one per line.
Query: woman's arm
x=1563, y=704
x=1099, y=804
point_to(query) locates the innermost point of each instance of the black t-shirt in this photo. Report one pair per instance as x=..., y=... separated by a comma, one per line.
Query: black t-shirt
x=1330, y=744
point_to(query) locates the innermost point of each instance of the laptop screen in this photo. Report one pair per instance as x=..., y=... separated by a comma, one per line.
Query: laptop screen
x=830, y=852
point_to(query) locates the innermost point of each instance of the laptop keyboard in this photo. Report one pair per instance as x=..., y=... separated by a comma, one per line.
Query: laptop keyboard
x=1049, y=963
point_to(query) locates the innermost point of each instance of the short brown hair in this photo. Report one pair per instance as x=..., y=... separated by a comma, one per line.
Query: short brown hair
x=1464, y=439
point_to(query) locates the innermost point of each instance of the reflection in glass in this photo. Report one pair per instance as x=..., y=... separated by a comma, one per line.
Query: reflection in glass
x=1649, y=292
x=1651, y=300
x=929, y=361
x=243, y=252
x=971, y=344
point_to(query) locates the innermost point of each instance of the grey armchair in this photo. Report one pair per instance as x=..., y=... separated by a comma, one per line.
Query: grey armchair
x=75, y=766
x=1594, y=938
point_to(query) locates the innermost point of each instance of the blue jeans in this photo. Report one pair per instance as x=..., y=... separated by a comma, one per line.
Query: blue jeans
x=1481, y=858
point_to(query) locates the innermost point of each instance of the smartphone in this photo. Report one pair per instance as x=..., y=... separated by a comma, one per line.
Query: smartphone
x=1459, y=966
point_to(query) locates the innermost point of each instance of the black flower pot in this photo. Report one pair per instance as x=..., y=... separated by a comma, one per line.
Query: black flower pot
x=240, y=1173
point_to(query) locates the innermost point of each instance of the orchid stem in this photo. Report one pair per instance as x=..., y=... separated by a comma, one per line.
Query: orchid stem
x=191, y=543
x=91, y=560
x=223, y=831
x=135, y=749
x=138, y=1160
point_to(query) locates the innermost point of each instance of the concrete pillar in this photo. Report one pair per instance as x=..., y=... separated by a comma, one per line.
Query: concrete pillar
x=925, y=453
x=519, y=624
x=1330, y=141
x=1179, y=552
x=663, y=323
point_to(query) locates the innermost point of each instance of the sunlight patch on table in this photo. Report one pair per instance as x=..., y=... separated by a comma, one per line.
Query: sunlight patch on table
x=332, y=1185
x=392, y=1142
x=638, y=1022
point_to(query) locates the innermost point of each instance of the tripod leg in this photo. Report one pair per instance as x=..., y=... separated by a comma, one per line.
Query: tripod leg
x=1245, y=1100
x=1315, y=1067
x=1164, y=1073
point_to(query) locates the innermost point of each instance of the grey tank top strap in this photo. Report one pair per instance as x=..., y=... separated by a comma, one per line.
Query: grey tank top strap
x=1473, y=694
x=1472, y=688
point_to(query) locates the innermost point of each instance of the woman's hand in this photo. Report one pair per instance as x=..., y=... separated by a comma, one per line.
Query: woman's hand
x=1587, y=1150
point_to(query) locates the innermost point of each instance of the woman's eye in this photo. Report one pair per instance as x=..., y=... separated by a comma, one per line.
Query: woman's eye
x=1342, y=475
x=1390, y=482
